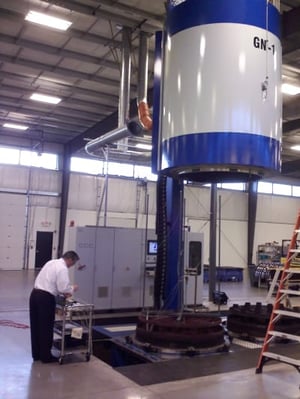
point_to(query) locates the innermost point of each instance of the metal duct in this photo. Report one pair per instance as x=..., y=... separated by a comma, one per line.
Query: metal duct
x=132, y=128
x=125, y=128
x=143, y=108
x=125, y=78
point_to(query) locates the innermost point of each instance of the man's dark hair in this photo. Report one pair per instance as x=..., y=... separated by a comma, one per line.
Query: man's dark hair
x=71, y=255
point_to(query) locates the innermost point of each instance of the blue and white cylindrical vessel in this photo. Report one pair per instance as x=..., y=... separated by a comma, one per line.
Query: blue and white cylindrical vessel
x=221, y=90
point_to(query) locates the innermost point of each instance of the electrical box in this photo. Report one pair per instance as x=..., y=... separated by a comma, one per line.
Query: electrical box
x=193, y=268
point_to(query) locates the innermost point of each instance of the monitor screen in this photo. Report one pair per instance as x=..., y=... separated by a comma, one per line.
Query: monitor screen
x=152, y=247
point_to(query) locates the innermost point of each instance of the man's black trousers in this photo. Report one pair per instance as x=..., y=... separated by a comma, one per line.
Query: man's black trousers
x=42, y=315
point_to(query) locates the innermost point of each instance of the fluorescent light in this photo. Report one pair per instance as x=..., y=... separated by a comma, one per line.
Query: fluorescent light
x=295, y=147
x=144, y=146
x=15, y=126
x=45, y=99
x=292, y=90
x=47, y=20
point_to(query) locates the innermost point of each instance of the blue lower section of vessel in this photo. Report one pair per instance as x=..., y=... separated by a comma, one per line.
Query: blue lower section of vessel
x=221, y=148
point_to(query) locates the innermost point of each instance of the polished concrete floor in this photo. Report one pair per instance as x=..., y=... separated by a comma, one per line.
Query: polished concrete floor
x=22, y=379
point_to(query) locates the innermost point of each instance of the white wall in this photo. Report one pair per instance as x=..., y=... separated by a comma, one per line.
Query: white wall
x=275, y=215
x=43, y=212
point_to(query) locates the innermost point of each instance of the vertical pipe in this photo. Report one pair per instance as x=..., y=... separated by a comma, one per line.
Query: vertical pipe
x=125, y=77
x=143, y=68
x=252, y=207
x=64, y=199
x=212, y=240
x=27, y=220
x=124, y=84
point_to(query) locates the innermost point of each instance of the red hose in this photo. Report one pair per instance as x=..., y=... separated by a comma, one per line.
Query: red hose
x=10, y=323
x=144, y=115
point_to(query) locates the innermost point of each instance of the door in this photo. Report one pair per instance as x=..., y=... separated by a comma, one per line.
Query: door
x=12, y=231
x=43, y=249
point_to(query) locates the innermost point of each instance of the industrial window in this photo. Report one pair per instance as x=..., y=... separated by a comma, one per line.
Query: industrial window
x=9, y=156
x=43, y=160
x=120, y=169
x=234, y=186
x=282, y=189
x=264, y=188
x=85, y=165
x=142, y=172
x=296, y=191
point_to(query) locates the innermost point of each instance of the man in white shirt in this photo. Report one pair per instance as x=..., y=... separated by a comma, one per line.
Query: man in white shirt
x=52, y=280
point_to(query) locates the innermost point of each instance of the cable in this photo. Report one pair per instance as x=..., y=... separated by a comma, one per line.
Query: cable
x=10, y=323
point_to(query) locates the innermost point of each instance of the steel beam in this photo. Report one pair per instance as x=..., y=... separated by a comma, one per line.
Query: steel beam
x=109, y=42
x=289, y=127
x=213, y=241
x=66, y=160
x=290, y=167
x=59, y=70
x=44, y=48
x=103, y=14
x=36, y=129
x=65, y=100
x=290, y=22
x=75, y=116
x=252, y=207
x=70, y=88
x=132, y=10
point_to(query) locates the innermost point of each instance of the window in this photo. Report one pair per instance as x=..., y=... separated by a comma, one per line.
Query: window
x=296, y=191
x=120, y=169
x=264, y=188
x=142, y=172
x=85, y=165
x=44, y=160
x=282, y=189
x=234, y=186
x=9, y=156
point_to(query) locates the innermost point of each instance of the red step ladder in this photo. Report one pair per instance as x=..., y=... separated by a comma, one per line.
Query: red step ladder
x=282, y=294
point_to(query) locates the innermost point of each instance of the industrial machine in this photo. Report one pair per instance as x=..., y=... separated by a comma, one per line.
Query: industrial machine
x=117, y=267
x=216, y=117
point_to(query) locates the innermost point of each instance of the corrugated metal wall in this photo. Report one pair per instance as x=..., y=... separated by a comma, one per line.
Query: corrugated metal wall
x=275, y=215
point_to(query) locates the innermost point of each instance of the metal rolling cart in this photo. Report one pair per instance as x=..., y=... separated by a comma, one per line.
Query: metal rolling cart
x=73, y=328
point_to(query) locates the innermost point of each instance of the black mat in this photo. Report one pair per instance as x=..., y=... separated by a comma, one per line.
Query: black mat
x=180, y=369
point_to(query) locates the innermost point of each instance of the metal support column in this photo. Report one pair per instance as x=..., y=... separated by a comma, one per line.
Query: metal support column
x=213, y=240
x=64, y=199
x=174, y=273
x=252, y=207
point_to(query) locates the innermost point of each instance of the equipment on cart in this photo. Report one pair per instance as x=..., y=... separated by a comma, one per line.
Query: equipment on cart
x=73, y=328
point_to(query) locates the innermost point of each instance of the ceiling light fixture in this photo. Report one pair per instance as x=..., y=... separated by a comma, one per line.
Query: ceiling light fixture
x=15, y=126
x=295, y=147
x=142, y=146
x=45, y=99
x=47, y=20
x=292, y=90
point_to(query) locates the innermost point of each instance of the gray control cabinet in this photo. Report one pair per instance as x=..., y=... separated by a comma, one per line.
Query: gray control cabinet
x=118, y=267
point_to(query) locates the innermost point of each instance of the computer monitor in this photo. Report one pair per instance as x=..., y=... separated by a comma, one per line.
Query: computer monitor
x=152, y=247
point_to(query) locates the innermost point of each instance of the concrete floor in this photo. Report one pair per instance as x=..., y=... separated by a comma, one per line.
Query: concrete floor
x=22, y=379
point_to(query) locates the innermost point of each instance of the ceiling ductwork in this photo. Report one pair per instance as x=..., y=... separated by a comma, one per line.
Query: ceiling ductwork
x=143, y=107
x=125, y=127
